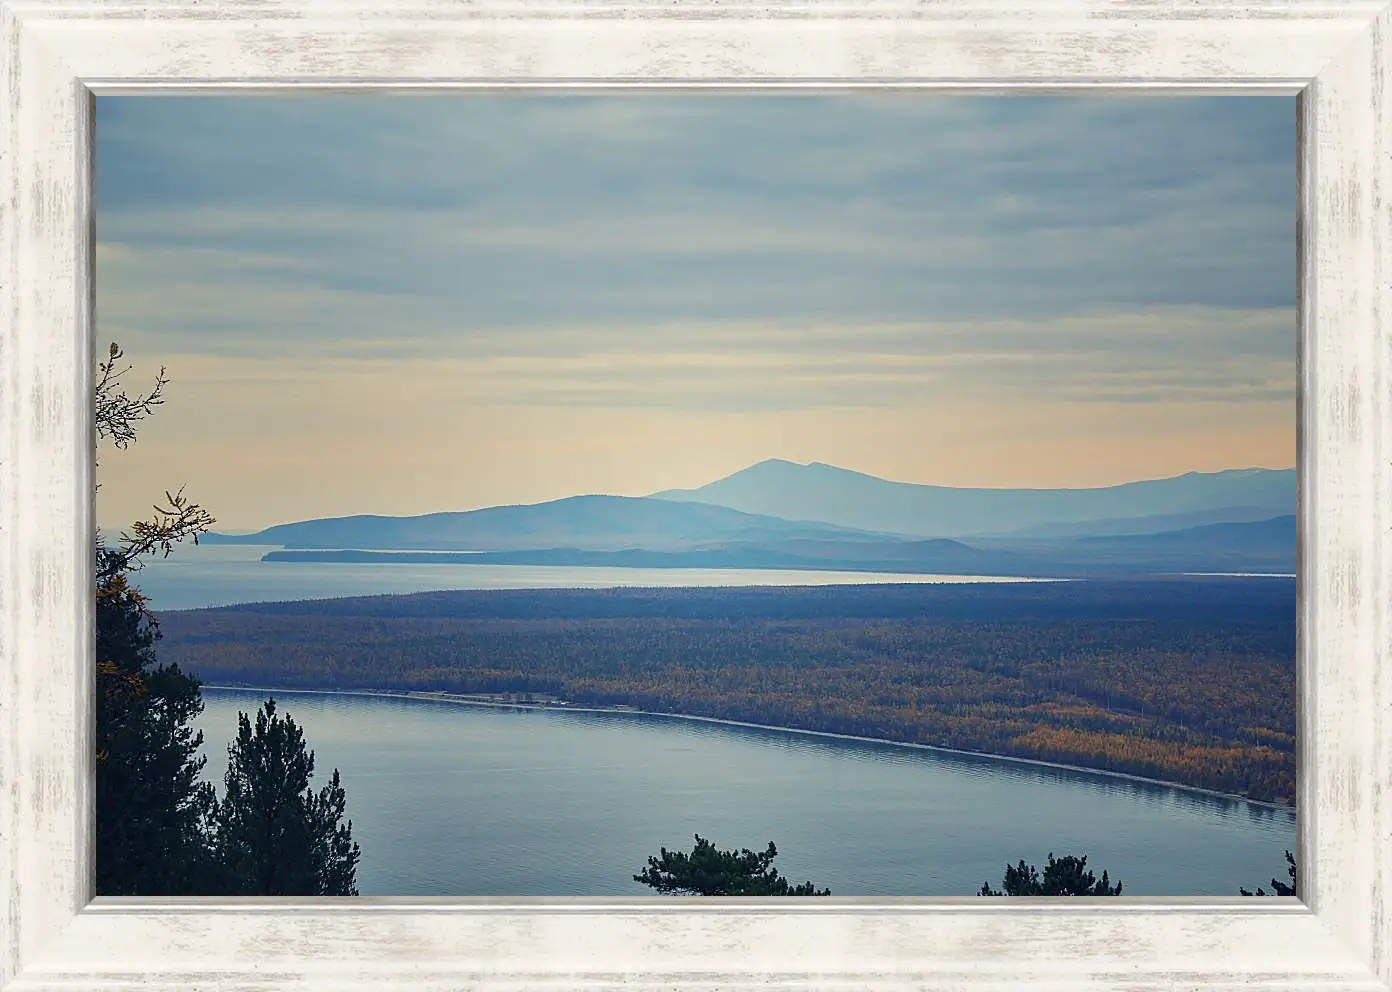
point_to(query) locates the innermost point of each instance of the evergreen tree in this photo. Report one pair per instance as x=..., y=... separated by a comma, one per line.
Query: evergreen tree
x=275, y=835
x=710, y=872
x=153, y=809
x=1067, y=876
x=1278, y=888
x=153, y=812
x=159, y=828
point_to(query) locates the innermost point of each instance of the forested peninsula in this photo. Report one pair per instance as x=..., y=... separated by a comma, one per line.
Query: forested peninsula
x=1187, y=680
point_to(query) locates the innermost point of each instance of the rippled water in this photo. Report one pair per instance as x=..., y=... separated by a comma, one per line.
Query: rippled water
x=460, y=800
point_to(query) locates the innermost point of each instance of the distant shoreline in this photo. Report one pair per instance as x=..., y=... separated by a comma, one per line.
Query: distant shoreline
x=994, y=568
x=660, y=561
x=462, y=700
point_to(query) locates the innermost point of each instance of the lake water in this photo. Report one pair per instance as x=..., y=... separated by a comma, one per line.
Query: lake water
x=448, y=799
x=223, y=574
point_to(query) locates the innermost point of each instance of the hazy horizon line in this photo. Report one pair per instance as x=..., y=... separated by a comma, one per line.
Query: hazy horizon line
x=242, y=529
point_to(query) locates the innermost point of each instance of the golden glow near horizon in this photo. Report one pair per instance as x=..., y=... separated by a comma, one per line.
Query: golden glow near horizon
x=345, y=335
x=280, y=441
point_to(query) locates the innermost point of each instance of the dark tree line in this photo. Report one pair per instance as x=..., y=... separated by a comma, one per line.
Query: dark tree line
x=1279, y=888
x=1172, y=694
x=709, y=871
x=162, y=830
x=1066, y=876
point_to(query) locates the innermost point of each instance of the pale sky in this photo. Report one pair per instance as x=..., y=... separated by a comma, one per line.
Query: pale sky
x=405, y=304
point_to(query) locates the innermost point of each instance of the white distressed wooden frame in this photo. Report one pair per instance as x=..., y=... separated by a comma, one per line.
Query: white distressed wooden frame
x=1334, y=53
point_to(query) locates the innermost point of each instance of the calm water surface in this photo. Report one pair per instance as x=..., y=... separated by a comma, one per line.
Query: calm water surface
x=474, y=801
x=223, y=574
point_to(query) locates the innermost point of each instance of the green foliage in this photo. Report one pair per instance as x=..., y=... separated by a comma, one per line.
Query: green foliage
x=275, y=835
x=153, y=810
x=1278, y=888
x=1066, y=876
x=707, y=871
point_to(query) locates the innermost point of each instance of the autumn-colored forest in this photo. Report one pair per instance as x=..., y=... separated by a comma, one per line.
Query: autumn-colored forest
x=1186, y=680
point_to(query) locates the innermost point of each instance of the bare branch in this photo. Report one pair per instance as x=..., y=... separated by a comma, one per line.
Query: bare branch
x=118, y=416
x=177, y=519
x=118, y=413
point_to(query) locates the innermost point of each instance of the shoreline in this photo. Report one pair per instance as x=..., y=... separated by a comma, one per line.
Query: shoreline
x=462, y=700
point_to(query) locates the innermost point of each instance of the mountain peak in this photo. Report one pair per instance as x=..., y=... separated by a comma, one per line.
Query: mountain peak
x=830, y=494
x=802, y=469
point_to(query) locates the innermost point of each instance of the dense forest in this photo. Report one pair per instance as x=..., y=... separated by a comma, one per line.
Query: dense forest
x=1187, y=680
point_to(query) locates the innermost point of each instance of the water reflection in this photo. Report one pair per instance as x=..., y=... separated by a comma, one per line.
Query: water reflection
x=450, y=799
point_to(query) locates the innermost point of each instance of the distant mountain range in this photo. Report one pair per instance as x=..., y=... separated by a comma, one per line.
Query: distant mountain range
x=591, y=523
x=852, y=499
x=778, y=514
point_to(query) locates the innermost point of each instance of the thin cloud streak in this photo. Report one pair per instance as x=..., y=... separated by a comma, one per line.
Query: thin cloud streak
x=375, y=305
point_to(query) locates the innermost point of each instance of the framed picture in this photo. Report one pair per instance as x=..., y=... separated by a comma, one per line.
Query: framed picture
x=669, y=83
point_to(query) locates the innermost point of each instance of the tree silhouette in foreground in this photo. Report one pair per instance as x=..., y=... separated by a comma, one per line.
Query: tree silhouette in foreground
x=1278, y=888
x=118, y=415
x=275, y=835
x=707, y=871
x=1066, y=876
x=160, y=830
x=153, y=810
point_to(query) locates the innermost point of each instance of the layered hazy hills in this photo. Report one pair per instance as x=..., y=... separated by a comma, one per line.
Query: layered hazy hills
x=1261, y=546
x=937, y=556
x=590, y=523
x=816, y=516
x=852, y=499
